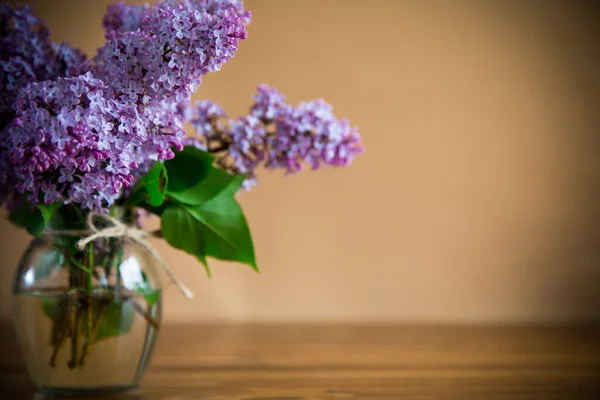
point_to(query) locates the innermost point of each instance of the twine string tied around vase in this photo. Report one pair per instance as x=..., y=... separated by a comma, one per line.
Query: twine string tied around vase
x=116, y=229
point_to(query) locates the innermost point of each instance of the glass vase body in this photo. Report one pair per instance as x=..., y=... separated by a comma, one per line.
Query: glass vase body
x=86, y=319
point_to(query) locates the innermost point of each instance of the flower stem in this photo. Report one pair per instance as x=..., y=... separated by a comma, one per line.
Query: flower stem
x=221, y=147
x=75, y=333
x=116, y=262
x=146, y=314
x=60, y=330
x=87, y=315
x=90, y=267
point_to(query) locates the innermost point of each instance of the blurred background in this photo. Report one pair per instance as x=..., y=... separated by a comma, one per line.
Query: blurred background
x=477, y=198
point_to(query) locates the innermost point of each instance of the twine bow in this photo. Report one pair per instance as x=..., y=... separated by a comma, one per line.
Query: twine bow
x=117, y=229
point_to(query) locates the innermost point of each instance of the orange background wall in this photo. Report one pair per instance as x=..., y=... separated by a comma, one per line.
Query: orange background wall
x=477, y=198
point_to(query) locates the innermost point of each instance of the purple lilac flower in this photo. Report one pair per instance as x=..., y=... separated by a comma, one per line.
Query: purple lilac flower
x=205, y=119
x=167, y=56
x=269, y=104
x=157, y=67
x=63, y=145
x=26, y=49
x=25, y=35
x=246, y=148
x=278, y=135
x=26, y=55
x=16, y=73
x=83, y=132
x=311, y=134
x=7, y=175
x=122, y=17
x=71, y=61
x=216, y=6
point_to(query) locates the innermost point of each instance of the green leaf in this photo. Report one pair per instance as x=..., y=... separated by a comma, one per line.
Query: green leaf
x=184, y=232
x=204, y=219
x=117, y=317
x=215, y=182
x=152, y=187
x=216, y=228
x=116, y=320
x=48, y=211
x=50, y=307
x=226, y=235
x=66, y=218
x=152, y=297
x=187, y=168
x=202, y=259
x=181, y=230
x=28, y=217
x=145, y=289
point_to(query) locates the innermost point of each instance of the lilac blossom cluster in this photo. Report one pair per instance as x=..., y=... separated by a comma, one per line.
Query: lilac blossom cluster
x=276, y=135
x=64, y=144
x=80, y=131
x=172, y=46
x=121, y=17
x=26, y=55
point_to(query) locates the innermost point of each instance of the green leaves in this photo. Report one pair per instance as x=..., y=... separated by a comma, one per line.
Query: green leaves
x=188, y=168
x=152, y=188
x=28, y=217
x=216, y=228
x=181, y=230
x=200, y=215
x=34, y=218
x=195, y=201
x=214, y=182
x=152, y=297
x=226, y=232
x=116, y=320
x=48, y=211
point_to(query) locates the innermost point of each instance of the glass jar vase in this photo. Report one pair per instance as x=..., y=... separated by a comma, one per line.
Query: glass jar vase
x=86, y=320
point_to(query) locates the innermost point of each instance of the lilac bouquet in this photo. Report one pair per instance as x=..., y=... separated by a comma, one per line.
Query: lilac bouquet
x=105, y=136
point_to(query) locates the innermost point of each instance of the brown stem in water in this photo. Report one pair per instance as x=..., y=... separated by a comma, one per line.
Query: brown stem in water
x=75, y=334
x=87, y=325
x=60, y=334
x=101, y=308
x=146, y=315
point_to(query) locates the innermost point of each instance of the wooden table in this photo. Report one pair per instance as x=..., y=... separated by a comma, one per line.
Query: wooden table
x=353, y=362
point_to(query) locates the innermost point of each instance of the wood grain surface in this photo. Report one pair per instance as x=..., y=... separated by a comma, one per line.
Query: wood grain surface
x=299, y=362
